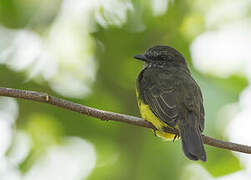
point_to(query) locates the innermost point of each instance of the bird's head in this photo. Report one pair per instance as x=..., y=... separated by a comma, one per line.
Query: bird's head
x=162, y=55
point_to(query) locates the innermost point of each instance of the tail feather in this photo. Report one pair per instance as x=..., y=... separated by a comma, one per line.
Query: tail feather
x=192, y=142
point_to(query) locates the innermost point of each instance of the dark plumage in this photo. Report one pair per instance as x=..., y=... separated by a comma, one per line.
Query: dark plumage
x=167, y=87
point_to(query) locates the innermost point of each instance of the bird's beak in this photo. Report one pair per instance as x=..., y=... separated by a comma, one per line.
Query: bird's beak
x=141, y=57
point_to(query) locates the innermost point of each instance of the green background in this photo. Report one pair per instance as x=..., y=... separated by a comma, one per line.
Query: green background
x=137, y=152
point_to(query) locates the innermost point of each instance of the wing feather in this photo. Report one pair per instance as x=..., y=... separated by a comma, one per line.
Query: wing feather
x=164, y=94
x=162, y=104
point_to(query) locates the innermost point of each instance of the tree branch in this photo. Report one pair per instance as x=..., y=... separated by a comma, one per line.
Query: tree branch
x=106, y=115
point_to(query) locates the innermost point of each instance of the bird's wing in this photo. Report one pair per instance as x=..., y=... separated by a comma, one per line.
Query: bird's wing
x=160, y=94
x=192, y=99
x=170, y=97
x=202, y=111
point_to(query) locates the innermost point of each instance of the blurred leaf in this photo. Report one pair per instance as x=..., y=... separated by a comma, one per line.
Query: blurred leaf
x=124, y=151
x=45, y=131
x=221, y=162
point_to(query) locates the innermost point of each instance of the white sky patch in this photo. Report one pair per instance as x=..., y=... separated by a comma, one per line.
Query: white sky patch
x=196, y=172
x=239, y=129
x=225, y=51
x=67, y=50
x=159, y=7
x=225, y=115
x=8, y=115
x=9, y=109
x=74, y=160
x=115, y=12
x=240, y=175
x=26, y=46
x=8, y=171
x=64, y=52
x=225, y=11
x=5, y=136
x=20, y=149
x=74, y=88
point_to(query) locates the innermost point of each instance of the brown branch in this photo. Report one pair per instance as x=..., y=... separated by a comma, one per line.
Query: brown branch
x=106, y=115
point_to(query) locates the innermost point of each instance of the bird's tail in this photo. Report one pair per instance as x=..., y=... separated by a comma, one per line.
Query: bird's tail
x=191, y=141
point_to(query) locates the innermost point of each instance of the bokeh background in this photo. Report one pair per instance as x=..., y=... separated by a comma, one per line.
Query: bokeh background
x=82, y=50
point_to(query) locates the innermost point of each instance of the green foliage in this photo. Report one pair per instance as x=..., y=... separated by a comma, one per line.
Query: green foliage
x=45, y=131
x=124, y=151
x=221, y=162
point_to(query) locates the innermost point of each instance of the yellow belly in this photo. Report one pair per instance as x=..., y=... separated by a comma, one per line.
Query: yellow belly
x=149, y=116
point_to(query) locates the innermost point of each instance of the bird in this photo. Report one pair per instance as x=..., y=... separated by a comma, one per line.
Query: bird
x=168, y=96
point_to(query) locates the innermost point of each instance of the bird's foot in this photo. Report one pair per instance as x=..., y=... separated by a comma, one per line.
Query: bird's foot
x=154, y=132
x=176, y=136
